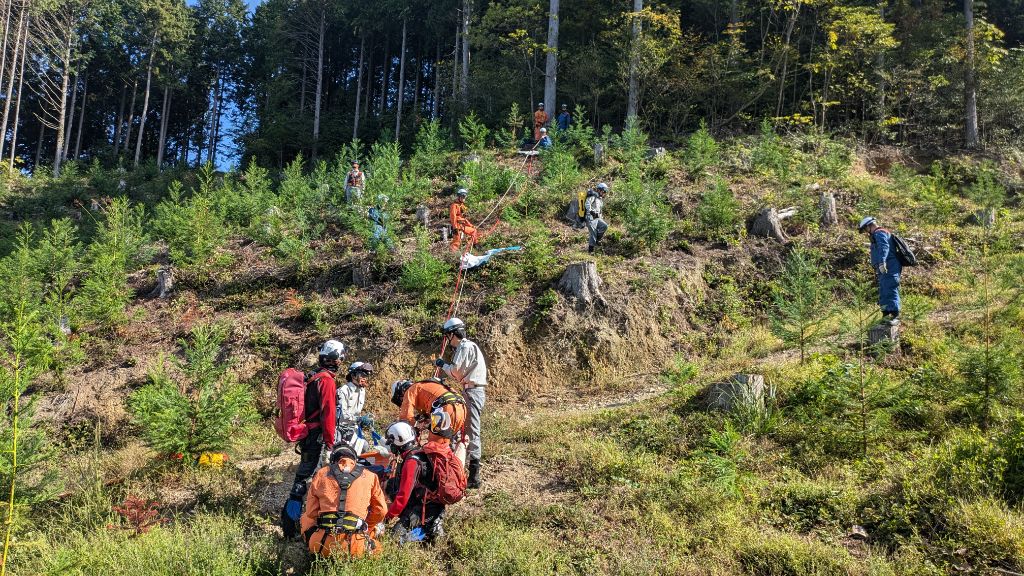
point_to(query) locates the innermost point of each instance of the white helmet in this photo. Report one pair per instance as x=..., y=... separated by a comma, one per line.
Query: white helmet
x=400, y=435
x=454, y=326
x=867, y=221
x=543, y=130
x=331, y=354
x=462, y=193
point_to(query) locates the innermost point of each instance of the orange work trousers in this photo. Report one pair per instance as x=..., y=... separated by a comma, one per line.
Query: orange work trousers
x=467, y=230
x=341, y=545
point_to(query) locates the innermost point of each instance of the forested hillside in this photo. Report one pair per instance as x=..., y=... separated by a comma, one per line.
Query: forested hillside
x=708, y=389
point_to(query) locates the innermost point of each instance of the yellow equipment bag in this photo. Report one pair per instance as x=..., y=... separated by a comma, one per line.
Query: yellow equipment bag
x=581, y=200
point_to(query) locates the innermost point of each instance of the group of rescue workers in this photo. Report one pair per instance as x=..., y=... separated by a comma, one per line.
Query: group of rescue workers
x=349, y=486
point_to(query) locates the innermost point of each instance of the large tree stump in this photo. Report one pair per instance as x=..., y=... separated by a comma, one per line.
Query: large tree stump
x=768, y=223
x=423, y=215
x=598, y=153
x=884, y=333
x=361, y=274
x=657, y=152
x=580, y=282
x=164, y=283
x=444, y=234
x=741, y=389
x=985, y=217
x=827, y=204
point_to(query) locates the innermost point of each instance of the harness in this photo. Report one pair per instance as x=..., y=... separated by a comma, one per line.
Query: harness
x=340, y=521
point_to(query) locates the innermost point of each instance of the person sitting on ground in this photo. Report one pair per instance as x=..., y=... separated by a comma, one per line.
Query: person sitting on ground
x=379, y=217
x=545, y=141
x=564, y=118
x=593, y=209
x=469, y=369
x=355, y=181
x=351, y=400
x=887, y=267
x=418, y=400
x=461, y=226
x=419, y=517
x=540, y=119
x=320, y=418
x=345, y=508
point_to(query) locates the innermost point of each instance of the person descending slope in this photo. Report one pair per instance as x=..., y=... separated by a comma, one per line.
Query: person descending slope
x=461, y=226
x=888, y=267
x=351, y=399
x=593, y=208
x=430, y=402
x=345, y=508
x=469, y=369
x=319, y=417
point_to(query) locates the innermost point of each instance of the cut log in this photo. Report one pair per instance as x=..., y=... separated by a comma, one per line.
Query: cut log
x=883, y=333
x=740, y=390
x=423, y=215
x=598, y=153
x=768, y=223
x=581, y=283
x=827, y=204
x=164, y=283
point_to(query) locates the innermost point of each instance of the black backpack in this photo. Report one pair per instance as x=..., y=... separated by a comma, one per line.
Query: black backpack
x=902, y=250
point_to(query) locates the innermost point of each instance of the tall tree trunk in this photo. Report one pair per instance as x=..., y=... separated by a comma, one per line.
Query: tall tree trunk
x=217, y=116
x=401, y=85
x=212, y=117
x=970, y=83
x=385, y=76
x=319, y=81
x=302, y=91
x=456, y=69
x=39, y=145
x=466, y=14
x=359, y=88
x=416, y=83
x=71, y=118
x=369, y=85
x=634, y=62
x=19, y=42
x=17, y=105
x=551, y=70
x=120, y=119
x=795, y=13
x=65, y=79
x=8, y=9
x=131, y=115
x=163, y=128
x=81, y=118
x=435, y=105
x=145, y=102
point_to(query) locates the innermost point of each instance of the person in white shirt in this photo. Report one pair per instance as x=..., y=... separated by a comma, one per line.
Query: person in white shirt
x=469, y=369
x=351, y=399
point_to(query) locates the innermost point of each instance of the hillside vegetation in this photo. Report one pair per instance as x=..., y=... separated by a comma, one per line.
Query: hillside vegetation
x=601, y=453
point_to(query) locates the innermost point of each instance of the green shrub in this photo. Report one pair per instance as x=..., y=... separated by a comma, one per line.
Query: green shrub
x=580, y=137
x=803, y=301
x=192, y=229
x=776, y=554
x=718, y=211
x=701, y=152
x=430, y=151
x=424, y=274
x=771, y=155
x=195, y=407
x=630, y=146
x=473, y=132
x=986, y=190
x=646, y=214
x=104, y=293
x=561, y=172
x=508, y=136
x=487, y=180
x=936, y=202
x=489, y=547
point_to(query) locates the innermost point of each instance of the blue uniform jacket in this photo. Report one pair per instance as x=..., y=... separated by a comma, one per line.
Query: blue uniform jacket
x=883, y=251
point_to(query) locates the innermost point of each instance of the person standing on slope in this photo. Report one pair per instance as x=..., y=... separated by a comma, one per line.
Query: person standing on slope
x=540, y=119
x=564, y=119
x=887, y=267
x=461, y=226
x=469, y=369
x=320, y=415
x=355, y=181
x=351, y=400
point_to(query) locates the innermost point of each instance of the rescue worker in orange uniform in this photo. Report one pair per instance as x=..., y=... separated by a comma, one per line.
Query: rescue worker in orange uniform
x=418, y=401
x=461, y=225
x=345, y=508
x=540, y=120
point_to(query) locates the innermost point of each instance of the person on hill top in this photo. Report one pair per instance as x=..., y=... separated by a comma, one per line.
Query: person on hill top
x=593, y=207
x=887, y=267
x=419, y=518
x=320, y=417
x=351, y=400
x=540, y=119
x=419, y=402
x=355, y=181
x=469, y=369
x=345, y=508
x=545, y=141
x=564, y=118
x=461, y=226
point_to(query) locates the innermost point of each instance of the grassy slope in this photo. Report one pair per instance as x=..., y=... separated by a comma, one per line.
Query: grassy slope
x=610, y=463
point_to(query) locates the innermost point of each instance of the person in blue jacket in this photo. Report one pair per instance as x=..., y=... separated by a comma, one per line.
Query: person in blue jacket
x=564, y=118
x=887, y=266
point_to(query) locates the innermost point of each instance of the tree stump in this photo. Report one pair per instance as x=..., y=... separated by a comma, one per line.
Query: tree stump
x=361, y=274
x=657, y=152
x=883, y=333
x=768, y=223
x=423, y=215
x=164, y=283
x=741, y=389
x=444, y=234
x=572, y=212
x=985, y=217
x=827, y=204
x=598, y=153
x=581, y=283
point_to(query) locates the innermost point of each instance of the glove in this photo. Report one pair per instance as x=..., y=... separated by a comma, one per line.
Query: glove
x=366, y=420
x=883, y=269
x=439, y=362
x=383, y=450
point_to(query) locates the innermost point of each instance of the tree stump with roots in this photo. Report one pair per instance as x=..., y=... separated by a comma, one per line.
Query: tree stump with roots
x=768, y=223
x=827, y=204
x=423, y=215
x=164, y=283
x=742, y=390
x=580, y=282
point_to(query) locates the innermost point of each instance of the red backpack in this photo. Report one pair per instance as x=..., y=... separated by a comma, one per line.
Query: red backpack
x=290, y=420
x=448, y=473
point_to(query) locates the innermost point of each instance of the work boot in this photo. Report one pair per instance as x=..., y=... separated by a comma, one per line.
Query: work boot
x=590, y=249
x=474, y=474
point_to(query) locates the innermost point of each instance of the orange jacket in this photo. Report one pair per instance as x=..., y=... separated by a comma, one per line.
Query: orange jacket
x=457, y=214
x=540, y=118
x=418, y=400
x=365, y=497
